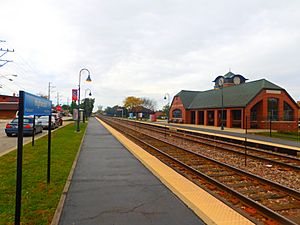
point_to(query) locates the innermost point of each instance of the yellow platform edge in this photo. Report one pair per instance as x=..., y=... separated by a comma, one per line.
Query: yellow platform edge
x=204, y=205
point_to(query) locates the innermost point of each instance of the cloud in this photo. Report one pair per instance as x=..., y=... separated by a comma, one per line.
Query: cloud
x=149, y=48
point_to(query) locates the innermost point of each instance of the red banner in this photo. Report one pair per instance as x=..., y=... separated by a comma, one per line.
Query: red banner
x=74, y=95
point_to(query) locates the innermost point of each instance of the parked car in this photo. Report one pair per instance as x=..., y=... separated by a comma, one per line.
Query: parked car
x=12, y=127
x=45, y=122
x=58, y=118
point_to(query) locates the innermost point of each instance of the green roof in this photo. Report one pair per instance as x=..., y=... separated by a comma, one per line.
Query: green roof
x=233, y=96
x=229, y=75
x=187, y=97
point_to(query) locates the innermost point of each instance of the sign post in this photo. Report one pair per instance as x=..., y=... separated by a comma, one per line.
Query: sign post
x=29, y=104
x=49, y=150
x=19, y=159
x=33, y=131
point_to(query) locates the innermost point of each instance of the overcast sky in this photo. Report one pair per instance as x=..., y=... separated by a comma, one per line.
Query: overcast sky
x=146, y=48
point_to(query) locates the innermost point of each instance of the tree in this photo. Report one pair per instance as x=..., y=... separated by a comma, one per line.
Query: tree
x=73, y=106
x=149, y=103
x=166, y=110
x=42, y=95
x=65, y=107
x=132, y=102
x=88, y=105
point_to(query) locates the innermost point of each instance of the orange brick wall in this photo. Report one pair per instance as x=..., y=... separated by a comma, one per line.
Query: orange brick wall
x=177, y=104
x=262, y=111
x=276, y=125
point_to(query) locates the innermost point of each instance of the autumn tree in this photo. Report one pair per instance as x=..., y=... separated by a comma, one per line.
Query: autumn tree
x=132, y=102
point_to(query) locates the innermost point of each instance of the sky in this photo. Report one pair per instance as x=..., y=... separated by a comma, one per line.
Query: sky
x=146, y=48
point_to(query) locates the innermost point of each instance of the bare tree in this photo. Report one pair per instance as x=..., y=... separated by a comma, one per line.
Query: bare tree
x=149, y=103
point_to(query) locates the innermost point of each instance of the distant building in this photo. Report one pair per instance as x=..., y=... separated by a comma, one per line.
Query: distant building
x=8, y=106
x=245, y=104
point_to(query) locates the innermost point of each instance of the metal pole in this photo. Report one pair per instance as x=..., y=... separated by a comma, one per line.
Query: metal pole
x=222, y=113
x=33, y=130
x=246, y=142
x=270, y=127
x=168, y=109
x=19, y=159
x=78, y=106
x=49, y=150
x=84, y=112
x=49, y=91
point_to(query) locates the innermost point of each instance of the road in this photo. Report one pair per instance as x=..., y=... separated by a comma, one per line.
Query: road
x=9, y=143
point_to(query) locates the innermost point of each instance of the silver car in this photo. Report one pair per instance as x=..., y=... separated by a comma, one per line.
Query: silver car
x=45, y=121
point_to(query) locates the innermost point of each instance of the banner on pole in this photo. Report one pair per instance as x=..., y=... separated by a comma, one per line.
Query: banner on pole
x=74, y=95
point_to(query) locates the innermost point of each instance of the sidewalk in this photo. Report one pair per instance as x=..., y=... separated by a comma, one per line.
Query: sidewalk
x=110, y=186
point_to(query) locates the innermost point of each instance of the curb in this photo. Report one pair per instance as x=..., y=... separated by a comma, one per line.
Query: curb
x=59, y=208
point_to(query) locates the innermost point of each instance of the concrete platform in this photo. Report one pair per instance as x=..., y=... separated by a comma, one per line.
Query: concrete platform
x=237, y=133
x=110, y=186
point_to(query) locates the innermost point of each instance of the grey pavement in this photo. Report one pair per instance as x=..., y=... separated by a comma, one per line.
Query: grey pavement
x=7, y=143
x=111, y=187
x=251, y=136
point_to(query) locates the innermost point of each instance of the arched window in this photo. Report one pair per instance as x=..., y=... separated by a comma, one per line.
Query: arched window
x=288, y=112
x=273, y=108
x=176, y=113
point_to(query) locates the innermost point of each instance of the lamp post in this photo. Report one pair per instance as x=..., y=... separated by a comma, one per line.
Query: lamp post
x=84, y=110
x=167, y=96
x=222, y=112
x=88, y=79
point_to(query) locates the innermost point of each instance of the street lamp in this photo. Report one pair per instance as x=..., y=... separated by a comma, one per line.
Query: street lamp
x=88, y=79
x=84, y=110
x=167, y=96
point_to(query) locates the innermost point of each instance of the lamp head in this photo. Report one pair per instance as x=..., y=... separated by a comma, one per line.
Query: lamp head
x=165, y=97
x=90, y=94
x=88, y=79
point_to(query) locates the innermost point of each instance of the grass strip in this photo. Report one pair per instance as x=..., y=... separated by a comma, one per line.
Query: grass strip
x=291, y=136
x=39, y=200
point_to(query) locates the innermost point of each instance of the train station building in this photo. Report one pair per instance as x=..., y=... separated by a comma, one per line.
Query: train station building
x=253, y=104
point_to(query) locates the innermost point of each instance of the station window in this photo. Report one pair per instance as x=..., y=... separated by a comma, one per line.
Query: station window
x=177, y=113
x=273, y=108
x=288, y=112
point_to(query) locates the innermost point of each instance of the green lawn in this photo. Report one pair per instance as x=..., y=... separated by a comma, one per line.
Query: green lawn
x=39, y=200
x=292, y=136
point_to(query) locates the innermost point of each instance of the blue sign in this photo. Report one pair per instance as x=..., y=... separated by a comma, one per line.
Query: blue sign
x=35, y=105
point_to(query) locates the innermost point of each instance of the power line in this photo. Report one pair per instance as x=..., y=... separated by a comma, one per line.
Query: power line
x=4, y=51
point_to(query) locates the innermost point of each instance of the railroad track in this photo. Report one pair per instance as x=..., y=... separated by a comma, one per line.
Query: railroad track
x=261, y=200
x=274, y=158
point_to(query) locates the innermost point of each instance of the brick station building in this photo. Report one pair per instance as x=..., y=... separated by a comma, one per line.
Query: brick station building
x=254, y=104
x=8, y=106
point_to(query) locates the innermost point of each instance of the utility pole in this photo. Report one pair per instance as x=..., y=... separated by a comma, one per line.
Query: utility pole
x=58, y=96
x=4, y=51
x=49, y=89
